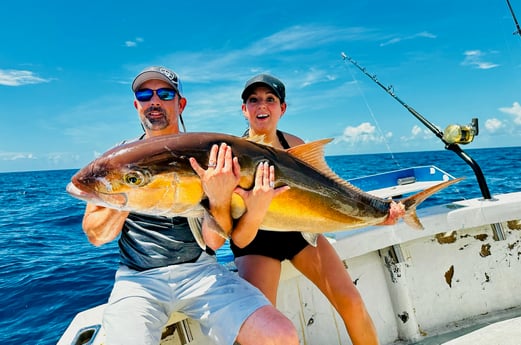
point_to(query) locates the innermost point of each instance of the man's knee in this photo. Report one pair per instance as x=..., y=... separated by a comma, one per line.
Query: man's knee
x=267, y=325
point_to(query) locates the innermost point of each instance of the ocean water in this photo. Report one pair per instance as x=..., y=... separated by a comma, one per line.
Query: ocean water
x=49, y=271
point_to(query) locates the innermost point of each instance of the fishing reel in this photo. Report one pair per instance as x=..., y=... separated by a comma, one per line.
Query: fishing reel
x=461, y=134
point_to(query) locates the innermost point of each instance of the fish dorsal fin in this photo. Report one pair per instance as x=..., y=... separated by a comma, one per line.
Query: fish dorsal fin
x=312, y=153
x=258, y=139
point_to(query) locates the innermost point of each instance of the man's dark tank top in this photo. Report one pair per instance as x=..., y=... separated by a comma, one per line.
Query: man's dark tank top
x=156, y=241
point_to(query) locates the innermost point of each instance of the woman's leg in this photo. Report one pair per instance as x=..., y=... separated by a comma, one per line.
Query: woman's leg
x=322, y=265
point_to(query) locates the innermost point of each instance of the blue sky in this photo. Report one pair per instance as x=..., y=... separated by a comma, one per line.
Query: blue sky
x=66, y=69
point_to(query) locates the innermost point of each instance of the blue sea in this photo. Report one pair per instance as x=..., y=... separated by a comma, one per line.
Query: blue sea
x=50, y=272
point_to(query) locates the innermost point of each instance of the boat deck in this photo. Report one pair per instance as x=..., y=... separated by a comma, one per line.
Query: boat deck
x=501, y=329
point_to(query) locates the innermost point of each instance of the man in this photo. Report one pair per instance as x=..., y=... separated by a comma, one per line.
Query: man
x=163, y=269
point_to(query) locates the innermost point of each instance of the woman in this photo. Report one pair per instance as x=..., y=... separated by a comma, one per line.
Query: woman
x=259, y=253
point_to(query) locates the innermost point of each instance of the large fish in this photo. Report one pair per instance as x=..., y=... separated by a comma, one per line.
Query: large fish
x=154, y=176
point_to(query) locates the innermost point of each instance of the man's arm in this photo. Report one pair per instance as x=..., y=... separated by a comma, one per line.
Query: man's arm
x=102, y=224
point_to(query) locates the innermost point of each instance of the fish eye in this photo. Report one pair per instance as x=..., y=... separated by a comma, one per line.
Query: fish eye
x=135, y=178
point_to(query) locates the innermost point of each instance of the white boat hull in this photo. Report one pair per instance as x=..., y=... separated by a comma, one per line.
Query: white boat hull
x=462, y=270
x=417, y=284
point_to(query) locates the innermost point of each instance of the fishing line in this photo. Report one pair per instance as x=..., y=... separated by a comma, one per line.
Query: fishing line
x=379, y=129
x=451, y=142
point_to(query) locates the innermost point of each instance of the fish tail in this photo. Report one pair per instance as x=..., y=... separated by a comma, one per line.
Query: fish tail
x=410, y=203
x=411, y=218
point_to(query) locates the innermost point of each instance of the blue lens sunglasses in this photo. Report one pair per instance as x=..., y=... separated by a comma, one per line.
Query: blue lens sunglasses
x=164, y=94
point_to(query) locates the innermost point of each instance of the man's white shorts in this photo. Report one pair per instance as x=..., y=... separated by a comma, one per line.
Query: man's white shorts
x=141, y=302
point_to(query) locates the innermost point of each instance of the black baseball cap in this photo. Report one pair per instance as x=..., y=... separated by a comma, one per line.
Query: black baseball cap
x=267, y=80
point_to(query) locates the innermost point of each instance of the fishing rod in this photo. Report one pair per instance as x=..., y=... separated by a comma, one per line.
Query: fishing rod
x=453, y=135
x=518, y=29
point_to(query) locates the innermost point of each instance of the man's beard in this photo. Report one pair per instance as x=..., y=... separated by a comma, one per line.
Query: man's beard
x=154, y=122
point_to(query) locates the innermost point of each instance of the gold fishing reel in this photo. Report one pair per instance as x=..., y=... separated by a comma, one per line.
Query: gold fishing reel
x=461, y=134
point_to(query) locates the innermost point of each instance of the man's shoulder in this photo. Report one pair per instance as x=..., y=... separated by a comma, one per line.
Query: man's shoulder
x=128, y=141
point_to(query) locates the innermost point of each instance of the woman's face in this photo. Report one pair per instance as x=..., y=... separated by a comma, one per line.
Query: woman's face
x=263, y=110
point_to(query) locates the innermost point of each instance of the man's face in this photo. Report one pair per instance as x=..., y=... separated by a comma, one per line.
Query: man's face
x=159, y=117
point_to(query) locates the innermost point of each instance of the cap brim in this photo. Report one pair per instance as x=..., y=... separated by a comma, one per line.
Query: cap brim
x=249, y=89
x=150, y=75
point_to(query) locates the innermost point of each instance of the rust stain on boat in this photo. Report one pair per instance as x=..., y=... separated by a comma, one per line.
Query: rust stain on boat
x=481, y=237
x=514, y=224
x=511, y=246
x=485, y=250
x=449, y=275
x=445, y=238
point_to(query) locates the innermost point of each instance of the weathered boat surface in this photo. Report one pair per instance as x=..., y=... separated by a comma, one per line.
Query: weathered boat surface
x=453, y=283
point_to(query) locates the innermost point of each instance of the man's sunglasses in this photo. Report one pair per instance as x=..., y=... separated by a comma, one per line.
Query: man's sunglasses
x=164, y=94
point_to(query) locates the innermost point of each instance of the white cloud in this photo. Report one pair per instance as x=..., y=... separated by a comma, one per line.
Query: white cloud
x=365, y=133
x=476, y=59
x=133, y=43
x=12, y=156
x=418, y=132
x=11, y=77
x=395, y=40
x=307, y=37
x=515, y=111
x=493, y=125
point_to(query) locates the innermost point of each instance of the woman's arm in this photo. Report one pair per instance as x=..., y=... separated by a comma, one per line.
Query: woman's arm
x=257, y=202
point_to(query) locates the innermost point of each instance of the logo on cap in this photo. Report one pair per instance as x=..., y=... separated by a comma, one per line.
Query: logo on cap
x=169, y=74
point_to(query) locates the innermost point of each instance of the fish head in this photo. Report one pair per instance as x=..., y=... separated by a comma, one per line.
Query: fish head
x=137, y=178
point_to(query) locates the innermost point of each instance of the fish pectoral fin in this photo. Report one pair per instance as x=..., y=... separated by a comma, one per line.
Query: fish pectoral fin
x=311, y=238
x=213, y=223
x=197, y=231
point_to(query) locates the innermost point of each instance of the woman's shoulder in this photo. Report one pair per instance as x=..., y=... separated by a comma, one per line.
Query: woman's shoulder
x=292, y=140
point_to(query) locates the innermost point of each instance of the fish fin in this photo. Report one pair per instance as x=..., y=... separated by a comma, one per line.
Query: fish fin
x=310, y=238
x=312, y=153
x=411, y=219
x=197, y=231
x=410, y=203
x=215, y=226
x=258, y=139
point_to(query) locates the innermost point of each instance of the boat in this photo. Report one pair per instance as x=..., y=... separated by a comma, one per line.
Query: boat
x=453, y=283
x=457, y=275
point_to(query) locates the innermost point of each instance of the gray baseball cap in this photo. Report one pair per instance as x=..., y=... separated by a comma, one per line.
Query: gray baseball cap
x=267, y=80
x=161, y=73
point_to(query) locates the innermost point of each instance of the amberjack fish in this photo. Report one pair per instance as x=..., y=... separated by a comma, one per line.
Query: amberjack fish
x=154, y=176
